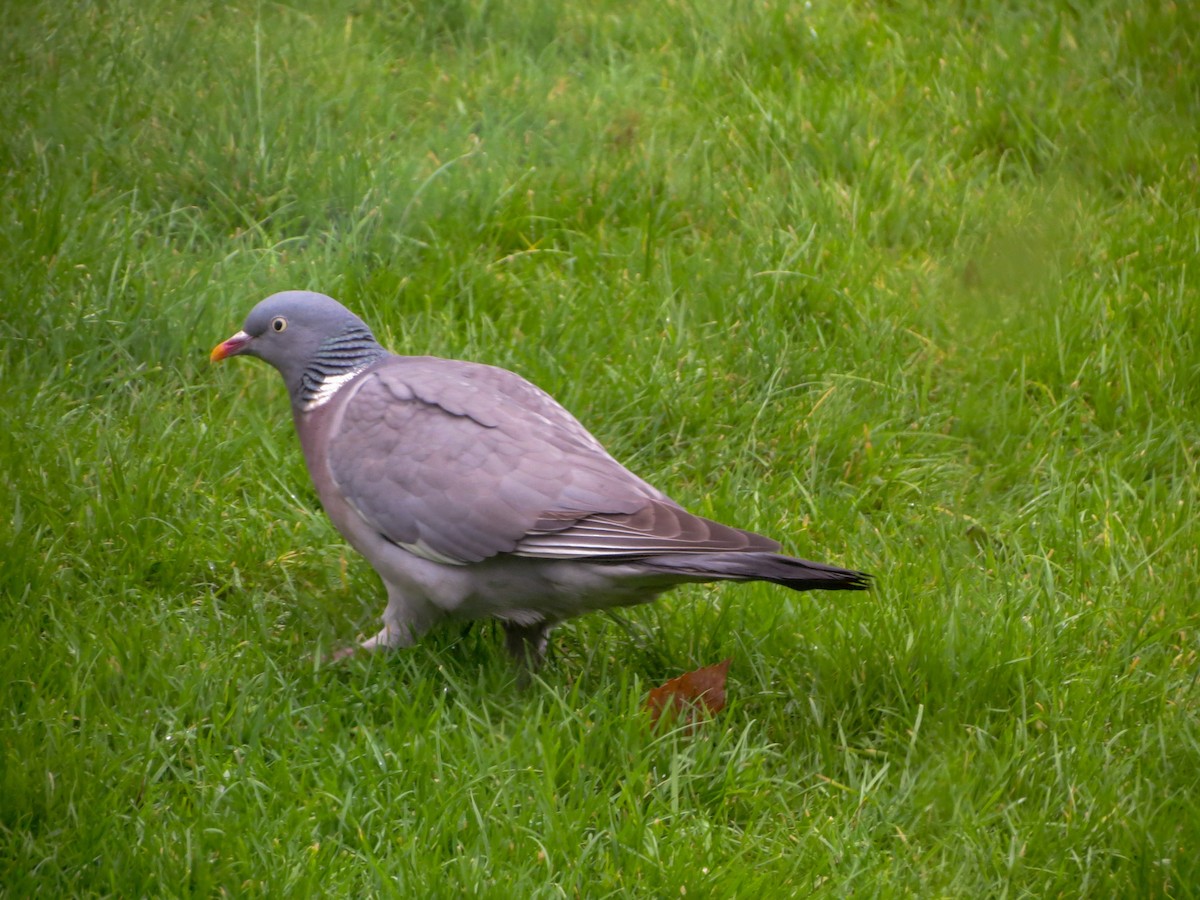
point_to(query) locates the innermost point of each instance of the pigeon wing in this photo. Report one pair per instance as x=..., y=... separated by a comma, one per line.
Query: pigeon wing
x=657, y=528
x=458, y=462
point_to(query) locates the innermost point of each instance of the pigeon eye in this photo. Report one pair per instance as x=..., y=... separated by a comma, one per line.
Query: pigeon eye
x=279, y=323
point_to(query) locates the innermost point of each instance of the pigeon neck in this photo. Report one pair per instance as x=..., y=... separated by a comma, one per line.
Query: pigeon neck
x=336, y=362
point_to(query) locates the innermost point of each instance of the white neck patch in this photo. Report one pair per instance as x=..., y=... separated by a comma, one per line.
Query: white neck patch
x=329, y=386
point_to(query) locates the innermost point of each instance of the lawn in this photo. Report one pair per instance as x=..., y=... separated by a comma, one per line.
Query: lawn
x=910, y=287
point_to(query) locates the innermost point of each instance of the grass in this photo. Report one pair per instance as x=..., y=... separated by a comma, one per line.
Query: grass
x=911, y=288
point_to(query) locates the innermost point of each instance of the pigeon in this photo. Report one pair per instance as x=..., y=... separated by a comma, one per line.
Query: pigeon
x=474, y=494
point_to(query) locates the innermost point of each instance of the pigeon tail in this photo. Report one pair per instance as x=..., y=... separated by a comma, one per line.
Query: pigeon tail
x=797, y=574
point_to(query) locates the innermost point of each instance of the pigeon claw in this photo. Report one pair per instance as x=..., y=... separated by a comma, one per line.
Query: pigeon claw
x=342, y=653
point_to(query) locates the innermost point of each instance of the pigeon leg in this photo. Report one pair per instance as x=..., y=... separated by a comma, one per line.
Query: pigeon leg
x=388, y=637
x=527, y=644
x=402, y=625
x=403, y=622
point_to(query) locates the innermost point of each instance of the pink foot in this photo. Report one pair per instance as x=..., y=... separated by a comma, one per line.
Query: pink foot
x=342, y=653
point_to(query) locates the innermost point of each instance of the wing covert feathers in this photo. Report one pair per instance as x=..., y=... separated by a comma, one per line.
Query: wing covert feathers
x=458, y=462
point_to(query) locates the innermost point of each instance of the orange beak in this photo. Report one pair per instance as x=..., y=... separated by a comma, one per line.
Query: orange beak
x=231, y=347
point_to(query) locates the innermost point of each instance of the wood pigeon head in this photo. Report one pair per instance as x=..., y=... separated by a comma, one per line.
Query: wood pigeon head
x=305, y=335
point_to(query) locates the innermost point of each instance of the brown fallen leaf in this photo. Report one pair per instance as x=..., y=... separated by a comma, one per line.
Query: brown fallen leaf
x=703, y=689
